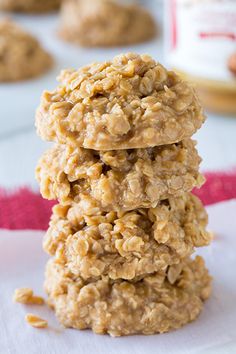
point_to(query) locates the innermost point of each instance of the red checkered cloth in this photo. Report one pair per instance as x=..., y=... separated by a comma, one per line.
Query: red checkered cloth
x=25, y=209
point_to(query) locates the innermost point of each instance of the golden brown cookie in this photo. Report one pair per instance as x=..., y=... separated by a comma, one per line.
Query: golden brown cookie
x=127, y=245
x=92, y=23
x=21, y=55
x=29, y=5
x=119, y=179
x=155, y=304
x=129, y=102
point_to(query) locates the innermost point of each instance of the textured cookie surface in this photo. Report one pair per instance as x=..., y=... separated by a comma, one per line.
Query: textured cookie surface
x=21, y=56
x=29, y=5
x=119, y=179
x=127, y=245
x=92, y=23
x=155, y=304
x=129, y=102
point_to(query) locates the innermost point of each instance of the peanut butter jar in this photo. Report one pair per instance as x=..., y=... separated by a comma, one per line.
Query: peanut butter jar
x=200, y=44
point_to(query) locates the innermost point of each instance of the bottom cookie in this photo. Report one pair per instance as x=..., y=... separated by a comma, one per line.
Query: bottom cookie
x=155, y=304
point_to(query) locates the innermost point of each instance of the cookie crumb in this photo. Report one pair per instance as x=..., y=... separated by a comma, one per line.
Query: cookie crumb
x=26, y=296
x=37, y=300
x=35, y=321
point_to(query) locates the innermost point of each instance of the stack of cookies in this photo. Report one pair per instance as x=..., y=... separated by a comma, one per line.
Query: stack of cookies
x=123, y=168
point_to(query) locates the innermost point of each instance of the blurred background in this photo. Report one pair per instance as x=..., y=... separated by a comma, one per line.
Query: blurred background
x=197, y=38
x=189, y=39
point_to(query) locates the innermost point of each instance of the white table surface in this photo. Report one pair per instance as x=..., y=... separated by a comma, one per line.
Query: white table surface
x=20, y=147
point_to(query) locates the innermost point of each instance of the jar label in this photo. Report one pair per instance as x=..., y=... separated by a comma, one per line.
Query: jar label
x=201, y=37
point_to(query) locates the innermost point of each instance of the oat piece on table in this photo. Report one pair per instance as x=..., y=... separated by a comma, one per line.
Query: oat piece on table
x=27, y=297
x=23, y=295
x=36, y=321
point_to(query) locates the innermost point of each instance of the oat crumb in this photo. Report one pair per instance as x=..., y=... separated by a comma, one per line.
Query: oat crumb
x=26, y=296
x=35, y=321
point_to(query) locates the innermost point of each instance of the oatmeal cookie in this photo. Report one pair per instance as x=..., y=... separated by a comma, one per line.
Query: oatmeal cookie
x=119, y=179
x=156, y=304
x=130, y=244
x=29, y=5
x=128, y=102
x=91, y=23
x=21, y=55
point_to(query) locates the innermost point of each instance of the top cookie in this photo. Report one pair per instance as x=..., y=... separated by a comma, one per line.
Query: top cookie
x=129, y=102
